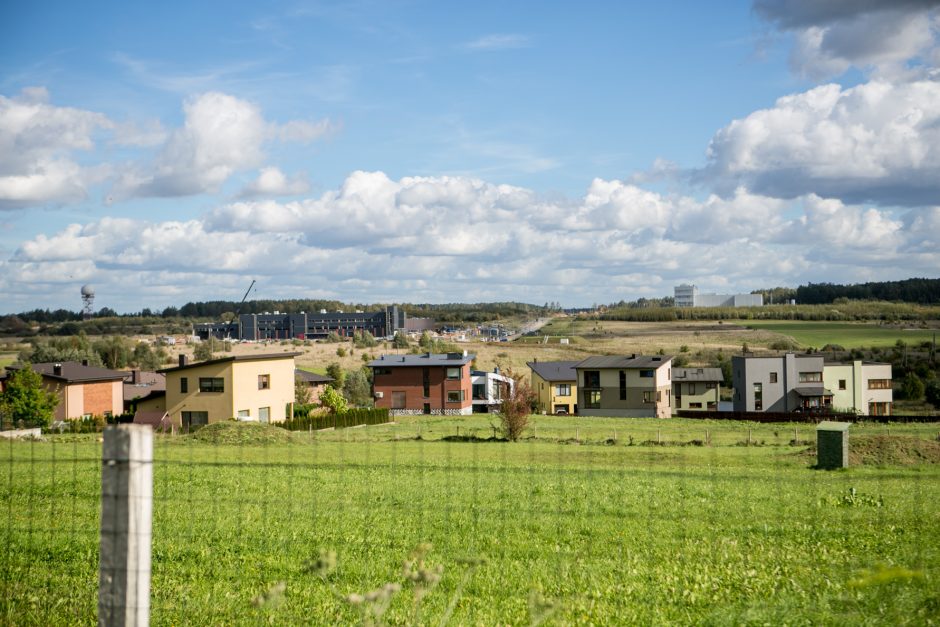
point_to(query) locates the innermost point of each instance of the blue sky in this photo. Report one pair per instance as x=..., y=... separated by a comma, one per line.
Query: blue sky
x=421, y=151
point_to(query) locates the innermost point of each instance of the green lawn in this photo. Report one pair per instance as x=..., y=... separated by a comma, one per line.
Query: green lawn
x=601, y=533
x=846, y=334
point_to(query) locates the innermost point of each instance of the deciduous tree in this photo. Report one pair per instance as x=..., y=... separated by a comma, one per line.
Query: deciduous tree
x=25, y=400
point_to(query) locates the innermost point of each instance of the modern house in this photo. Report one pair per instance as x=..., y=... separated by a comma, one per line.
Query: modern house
x=688, y=296
x=314, y=382
x=84, y=391
x=779, y=384
x=555, y=384
x=697, y=389
x=245, y=387
x=144, y=391
x=488, y=389
x=630, y=385
x=862, y=387
x=436, y=384
x=281, y=325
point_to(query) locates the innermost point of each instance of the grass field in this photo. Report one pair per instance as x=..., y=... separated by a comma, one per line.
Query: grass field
x=574, y=526
x=846, y=334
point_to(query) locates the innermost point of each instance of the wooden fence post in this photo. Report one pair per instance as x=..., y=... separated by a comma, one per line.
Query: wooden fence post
x=126, y=512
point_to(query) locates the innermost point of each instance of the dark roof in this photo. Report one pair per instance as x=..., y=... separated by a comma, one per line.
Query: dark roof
x=311, y=377
x=148, y=384
x=624, y=361
x=157, y=419
x=73, y=372
x=223, y=360
x=813, y=391
x=554, y=370
x=424, y=359
x=697, y=374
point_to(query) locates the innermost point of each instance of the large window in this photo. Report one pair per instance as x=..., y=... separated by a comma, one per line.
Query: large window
x=623, y=385
x=758, y=397
x=810, y=377
x=879, y=384
x=647, y=374
x=479, y=391
x=381, y=371
x=184, y=385
x=592, y=399
x=455, y=396
x=563, y=389
x=453, y=373
x=426, y=381
x=195, y=418
x=264, y=382
x=211, y=384
x=592, y=378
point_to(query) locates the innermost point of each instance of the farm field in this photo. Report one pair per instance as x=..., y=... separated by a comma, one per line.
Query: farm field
x=573, y=526
x=849, y=335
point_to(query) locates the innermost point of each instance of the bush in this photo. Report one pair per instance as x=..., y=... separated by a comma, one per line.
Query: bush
x=516, y=408
x=912, y=388
x=932, y=393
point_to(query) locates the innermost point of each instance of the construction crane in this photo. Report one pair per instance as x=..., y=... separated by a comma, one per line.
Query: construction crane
x=239, y=309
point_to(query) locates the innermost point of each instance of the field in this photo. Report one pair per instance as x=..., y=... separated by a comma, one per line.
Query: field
x=587, y=522
x=846, y=334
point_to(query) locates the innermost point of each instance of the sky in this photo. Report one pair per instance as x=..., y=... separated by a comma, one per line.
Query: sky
x=419, y=151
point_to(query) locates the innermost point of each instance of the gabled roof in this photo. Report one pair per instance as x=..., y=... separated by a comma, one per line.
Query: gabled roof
x=312, y=377
x=697, y=374
x=624, y=362
x=424, y=359
x=222, y=360
x=148, y=384
x=554, y=370
x=73, y=372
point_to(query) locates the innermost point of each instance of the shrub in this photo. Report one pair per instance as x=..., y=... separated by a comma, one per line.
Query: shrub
x=515, y=410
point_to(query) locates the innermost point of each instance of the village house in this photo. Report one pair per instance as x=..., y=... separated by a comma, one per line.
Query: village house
x=555, y=384
x=429, y=383
x=84, y=391
x=696, y=389
x=630, y=385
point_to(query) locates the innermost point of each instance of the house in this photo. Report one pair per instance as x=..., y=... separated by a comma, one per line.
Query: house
x=697, y=389
x=555, y=384
x=630, y=385
x=314, y=382
x=281, y=325
x=245, y=387
x=84, y=391
x=488, y=389
x=862, y=387
x=779, y=384
x=436, y=384
x=145, y=391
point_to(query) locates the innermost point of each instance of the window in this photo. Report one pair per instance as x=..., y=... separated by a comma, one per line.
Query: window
x=592, y=399
x=773, y=377
x=211, y=384
x=879, y=409
x=381, y=371
x=841, y=384
x=479, y=391
x=623, y=385
x=563, y=389
x=264, y=414
x=244, y=414
x=758, y=397
x=695, y=405
x=693, y=389
x=264, y=382
x=592, y=378
x=647, y=374
x=455, y=396
x=879, y=384
x=453, y=373
x=810, y=377
x=648, y=396
x=426, y=381
x=711, y=385
x=195, y=418
x=184, y=385
x=398, y=400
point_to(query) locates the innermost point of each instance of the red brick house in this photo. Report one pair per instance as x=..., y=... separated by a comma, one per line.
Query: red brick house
x=435, y=384
x=83, y=390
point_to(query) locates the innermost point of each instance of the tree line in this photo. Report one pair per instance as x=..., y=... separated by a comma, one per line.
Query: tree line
x=921, y=291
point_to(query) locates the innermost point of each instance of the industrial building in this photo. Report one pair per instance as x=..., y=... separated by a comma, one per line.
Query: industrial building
x=688, y=296
x=289, y=326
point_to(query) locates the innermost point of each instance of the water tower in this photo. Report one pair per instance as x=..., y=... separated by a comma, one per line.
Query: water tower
x=88, y=301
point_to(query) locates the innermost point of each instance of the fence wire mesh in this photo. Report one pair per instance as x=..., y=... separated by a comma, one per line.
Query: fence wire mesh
x=436, y=521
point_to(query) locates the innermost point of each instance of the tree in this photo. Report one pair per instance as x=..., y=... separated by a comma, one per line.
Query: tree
x=912, y=388
x=401, y=340
x=515, y=409
x=25, y=400
x=425, y=341
x=333, y=400
x=357, y=388
x=336, y=372
x=302, y=395
x=74, y=348
x=115, y=351
x=932, y=392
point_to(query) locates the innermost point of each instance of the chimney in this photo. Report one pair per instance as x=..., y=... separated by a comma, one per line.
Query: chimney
x=135, y=374
x=184, y=360
x=85, y=362
x=57, y=370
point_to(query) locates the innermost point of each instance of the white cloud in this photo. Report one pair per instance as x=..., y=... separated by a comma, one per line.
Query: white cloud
x=499, y=41
x=272, y=182
x=877, y=142
x=460, y=239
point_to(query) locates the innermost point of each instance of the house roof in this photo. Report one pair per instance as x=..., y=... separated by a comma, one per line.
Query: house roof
x=624, y=361
x=424, y=359
x=812, y=391
x=73, y=372
x=147, y=384
x=311, y=377
x=222, y=360
x=697, y=374
x=554, y=370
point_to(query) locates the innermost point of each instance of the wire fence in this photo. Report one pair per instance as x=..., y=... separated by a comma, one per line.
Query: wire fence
x=438, y=520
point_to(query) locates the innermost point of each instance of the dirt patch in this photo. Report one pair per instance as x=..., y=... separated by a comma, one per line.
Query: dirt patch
x=242, y=433
x=887, y=450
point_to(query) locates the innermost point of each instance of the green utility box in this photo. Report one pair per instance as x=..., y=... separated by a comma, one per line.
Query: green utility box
x=832, y=444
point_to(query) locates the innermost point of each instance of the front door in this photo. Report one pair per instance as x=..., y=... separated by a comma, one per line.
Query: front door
x=427, y=408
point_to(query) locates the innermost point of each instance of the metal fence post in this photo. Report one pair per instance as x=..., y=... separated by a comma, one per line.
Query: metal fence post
x=126, y=512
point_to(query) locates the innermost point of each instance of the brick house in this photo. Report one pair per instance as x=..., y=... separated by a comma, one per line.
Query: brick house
x=83, y=390
x=435, y=384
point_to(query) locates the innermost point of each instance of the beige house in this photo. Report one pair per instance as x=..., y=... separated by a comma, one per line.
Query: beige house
x=696, y=389
x=84, y=391
x=630, y=385
x=861, y=386
x=250, y=387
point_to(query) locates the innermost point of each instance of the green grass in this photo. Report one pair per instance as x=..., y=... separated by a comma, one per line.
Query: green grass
x=846, y=334
x=607, y=532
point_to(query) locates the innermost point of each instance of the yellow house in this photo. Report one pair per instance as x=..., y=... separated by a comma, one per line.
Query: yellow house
x=555, y=386
x=250, y=387
x=696, y=389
